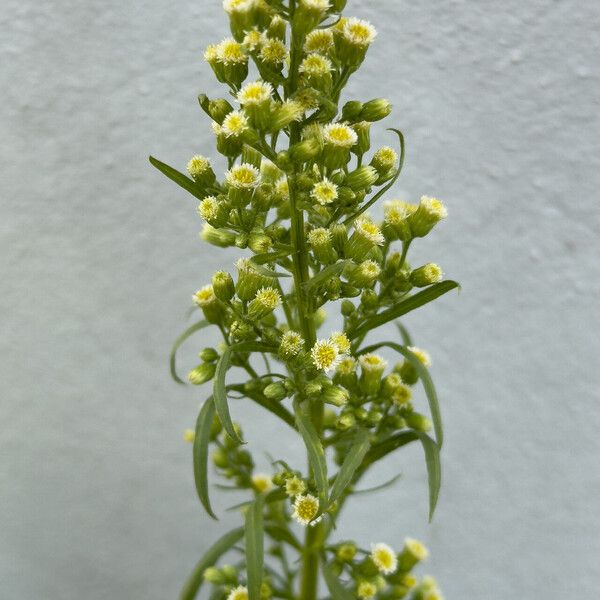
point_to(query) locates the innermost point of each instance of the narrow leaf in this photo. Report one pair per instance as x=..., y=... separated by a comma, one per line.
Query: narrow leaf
x=281, y=534
x=268, y=272
x=219, y=389
x=184, y=336
x=179, y=178
x=381, y=486
x=220, y=547
x=425, y=377
x=385, y=447
x=405, y=306
x=254, y=547
x=316, y=454
x=269, y=257
x=353, y=460
x=434, y=470
x=325, y=274
x=334, y=585
x=201, y=440
x=406, y=339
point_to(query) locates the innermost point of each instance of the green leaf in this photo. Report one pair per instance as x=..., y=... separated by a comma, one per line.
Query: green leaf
x=406, y=339
x=269, y=257
x=405, y=306
x=219, y=389
x=184, y=336
x=384, y=189
x=425, y=377
x=254, y=547
x=325, y=274
x=383, y=448
x=381, y=486
x=201, y=441
x=220, y=547
x=316, y=454
x=334, y=585
x=434, y=470
x=353, y=460
x=268, y=272
x=179, y=178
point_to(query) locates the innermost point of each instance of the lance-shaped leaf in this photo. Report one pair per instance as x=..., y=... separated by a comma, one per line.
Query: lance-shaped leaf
x=334, y=585
x=259, y=268
x=434, y=470
x=316, y=454
x=201, y=441
x=406, y=339
x=254, y=547
x=325, y=274
x=220, y=547
x=269, y=257
x=352, y=462
x=423, y=372
x=280, y=533
x=219, y=388
x=385, y=447
x=405, y=306
x=179, y=178
x=184, y=336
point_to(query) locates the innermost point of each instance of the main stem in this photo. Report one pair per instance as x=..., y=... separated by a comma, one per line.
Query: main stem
x=305, y=306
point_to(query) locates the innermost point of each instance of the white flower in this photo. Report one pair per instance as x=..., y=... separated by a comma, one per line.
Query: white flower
x=358, y=31
x=422, y=355
x=234, y=124
x=325, y=355
x=384, y=558
x=324, y=192
x=339, y=134
x=306, y=508
x=256, y=92
x=244, y=176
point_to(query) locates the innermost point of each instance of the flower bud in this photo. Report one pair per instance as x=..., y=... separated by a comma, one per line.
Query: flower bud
x=429, y=212
x=205, y=298
x=335, y=395
x=285, y=113
x=218, y=109
x=277, y=28
x=347, y=308
x=372, y=367
x=200, y=170
x=418, y=422
x=259, y=243
x=396, y=220
x=345, y=373
x=346, y=552
x=223, y=286
x=208, y=355
x=319, y=41
x=265, y=302
x=269, y=172
x=305, y=150
x=241, y=331
x=220, y=458
x=275, y=391
x=351, y=111
x=217, y=237
x=319, y=317
x=384, y=160
x=339, y=236
x=202, y=373
x=189, y=435
x=369, y=299
x=363, y=143
x=250, y=280
x=315, y=71
x=256, y=99
x=345, y=422
x=426, y=275
x=214, y=576
x=291, y=344
x=320, y=241
x=412, y=553
x=375, y=110
x=365, y=274
x=366, y=236
x=361, y=178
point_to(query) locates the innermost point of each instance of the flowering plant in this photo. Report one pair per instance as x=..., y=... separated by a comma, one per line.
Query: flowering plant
x=295, y=197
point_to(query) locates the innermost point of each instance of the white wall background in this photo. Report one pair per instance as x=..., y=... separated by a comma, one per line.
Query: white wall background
x=500, y=104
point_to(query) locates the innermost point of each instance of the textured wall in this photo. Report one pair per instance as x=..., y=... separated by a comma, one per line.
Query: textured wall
x=500, y=105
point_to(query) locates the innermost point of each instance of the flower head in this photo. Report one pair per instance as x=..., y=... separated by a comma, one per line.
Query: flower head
x=368, y=230
x=318, y=5
x=384, y=558
x=291, y=344
x=208, y=208
x=211, y=54
x=325, y=355
x=197, y=166
x=340, y=135
x=324, y=192
x=256, y=92
x=238, y=593
x=204, y=296
x=230, y=52
x=358, y=31
x=273, y=51
x=346, y=366
x=238, y=6
x=422, y=355
x=433, y=207
x=384, y=159
x=235, y=124
x=319, y=40
x=294, y=486
x=244, y=176
x=366, y=589
x=268, y=297
x=416, y=548
x=319, y=236
x=315, y=64
x=341, y=341
x=306, y=507
x=253, y=39
x=189, y=435
x=262, y=482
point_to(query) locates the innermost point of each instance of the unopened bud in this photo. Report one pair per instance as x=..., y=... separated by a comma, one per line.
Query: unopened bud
x=275, y=391
x=375, y=110
x=412, y=553
x=208, y=355
x=418, y=422
x=363, y=131
x=214, y=576
x=362, y=178
x=201, y=374
x=429, y=212
x=335, y=395
x=365, y=274
x=351, y=111
x=265, y=302
x=223, y=286
x=426, y=275
x=217, y=237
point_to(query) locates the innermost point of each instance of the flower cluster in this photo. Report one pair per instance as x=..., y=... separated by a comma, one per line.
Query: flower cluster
x=301, y=177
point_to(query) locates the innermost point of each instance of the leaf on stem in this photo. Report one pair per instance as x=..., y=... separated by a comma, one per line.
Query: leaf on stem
x=405, y=306
x=334, y=585
x=352, y=462
x=254, y=547
x=200, y=452
x=316, y=454
x=434, y=470
x=325, y=274
x=184, y=336
x=179, y=178
x=220, y=547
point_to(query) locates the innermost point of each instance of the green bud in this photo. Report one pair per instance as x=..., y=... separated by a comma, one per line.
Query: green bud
x=345, y=422
x=429, y=212
x=426, y=275
x=201, y=374
x=229, y=573
x=223, y=286
x=319, y=317
x=220, y=458
x=312, y=388
x=347, y=308
x=346, y=552
x=275, y=391
x=365, y=274
x=259, y=243
x=304, y=151
x=214, y=576
x=362, y=178
x=375, y=110
x=351, y=111
x=277, y=28
x=372, y=368
x=374, y=416
x=250, y=280
x=418, y=422
x=363, y=131
x=339, y=236
x=215, y=428
x=335, y=395
x=320, y=240
x=408, y=373
x=384, y=160
x=241, y=331
x=208, y=355
x=219, y=109
x=412, y=553
x=217, y=237
x=369, y=299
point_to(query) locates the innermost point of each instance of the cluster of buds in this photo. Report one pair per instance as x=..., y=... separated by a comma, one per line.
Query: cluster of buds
x=301, y=176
